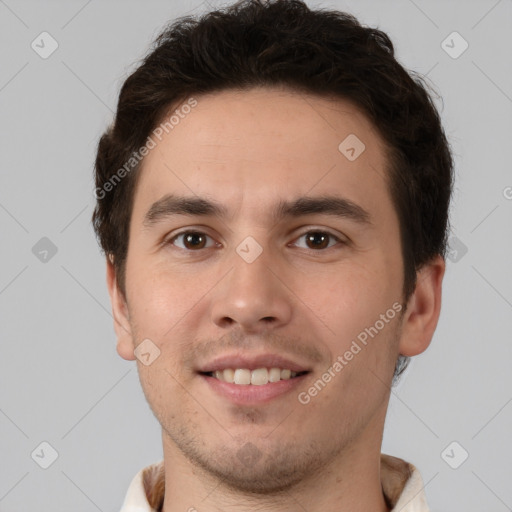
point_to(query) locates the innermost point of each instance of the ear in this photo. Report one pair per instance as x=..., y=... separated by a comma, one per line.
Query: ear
x=125, y=346
x=423, y=309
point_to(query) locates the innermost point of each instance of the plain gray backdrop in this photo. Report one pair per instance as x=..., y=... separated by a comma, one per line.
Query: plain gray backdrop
x=62, y=382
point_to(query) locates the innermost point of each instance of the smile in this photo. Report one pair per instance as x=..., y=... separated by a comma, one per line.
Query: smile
x=257, y=377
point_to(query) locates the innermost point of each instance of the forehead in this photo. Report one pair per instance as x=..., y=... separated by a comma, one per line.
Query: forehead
x=249, y=148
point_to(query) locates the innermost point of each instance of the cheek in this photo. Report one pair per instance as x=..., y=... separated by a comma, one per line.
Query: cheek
x=347, y=305
x=164, y=394
x=346, y=298
x=160, y=296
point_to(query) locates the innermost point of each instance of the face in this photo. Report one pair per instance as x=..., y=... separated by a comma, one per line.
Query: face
x=257, y=242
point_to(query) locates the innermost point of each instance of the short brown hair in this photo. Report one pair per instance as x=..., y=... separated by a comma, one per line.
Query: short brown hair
x=285, y=43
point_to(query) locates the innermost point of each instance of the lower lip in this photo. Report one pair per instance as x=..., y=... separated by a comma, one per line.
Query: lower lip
x=250, y=394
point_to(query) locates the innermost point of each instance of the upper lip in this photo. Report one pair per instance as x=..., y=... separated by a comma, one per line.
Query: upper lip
x=252, y=362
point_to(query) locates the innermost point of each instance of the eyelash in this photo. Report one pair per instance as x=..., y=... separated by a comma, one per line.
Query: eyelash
x=171, y=240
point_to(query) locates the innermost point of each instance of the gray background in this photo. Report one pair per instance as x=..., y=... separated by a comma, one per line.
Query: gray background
x=61, y=379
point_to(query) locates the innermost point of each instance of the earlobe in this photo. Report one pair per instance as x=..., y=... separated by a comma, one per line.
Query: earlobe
x=125, y=346
x=423, y=309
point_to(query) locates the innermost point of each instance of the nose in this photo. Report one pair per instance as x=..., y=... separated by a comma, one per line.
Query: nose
x=253, y=295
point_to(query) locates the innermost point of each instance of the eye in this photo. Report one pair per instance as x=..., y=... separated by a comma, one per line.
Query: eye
x=317, y=240
x=191, y=240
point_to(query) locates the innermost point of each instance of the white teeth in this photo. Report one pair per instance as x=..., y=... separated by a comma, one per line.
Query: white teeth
x=242, y=376
x=258, y=377
x=229, y=375
x=285, y=374
x=274, y=374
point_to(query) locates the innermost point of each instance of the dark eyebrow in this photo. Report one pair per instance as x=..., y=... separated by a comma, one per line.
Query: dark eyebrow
x=323, y=205
x=170, y=205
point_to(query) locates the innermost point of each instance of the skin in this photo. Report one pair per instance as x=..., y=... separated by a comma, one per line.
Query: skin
x=249, y=150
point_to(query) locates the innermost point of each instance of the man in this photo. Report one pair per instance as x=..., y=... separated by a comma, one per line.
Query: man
x=272, y=199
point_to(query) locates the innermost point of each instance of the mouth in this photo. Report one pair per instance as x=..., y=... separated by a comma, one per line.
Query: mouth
x=256, y=377
x=253, y=379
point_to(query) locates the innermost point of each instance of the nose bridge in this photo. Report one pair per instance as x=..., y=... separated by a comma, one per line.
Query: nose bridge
x=251, y=295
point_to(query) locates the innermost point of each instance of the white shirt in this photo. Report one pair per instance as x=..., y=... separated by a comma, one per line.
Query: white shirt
x=401, y=483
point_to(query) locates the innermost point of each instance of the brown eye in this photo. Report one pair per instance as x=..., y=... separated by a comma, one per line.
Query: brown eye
x=191, y=240
x=318, y=240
